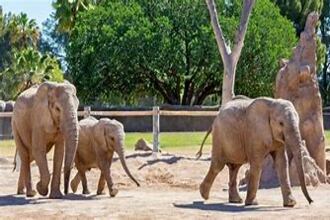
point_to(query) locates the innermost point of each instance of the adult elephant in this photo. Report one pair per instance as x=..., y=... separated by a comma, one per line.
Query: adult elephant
x=44, y=116
x=247, y=130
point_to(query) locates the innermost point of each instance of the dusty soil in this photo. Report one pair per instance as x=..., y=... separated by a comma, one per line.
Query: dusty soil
x=169, y=191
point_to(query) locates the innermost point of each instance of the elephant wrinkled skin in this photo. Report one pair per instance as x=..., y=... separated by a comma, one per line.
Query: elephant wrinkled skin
x=98, y=140
x=44, y=116
x=247, y=130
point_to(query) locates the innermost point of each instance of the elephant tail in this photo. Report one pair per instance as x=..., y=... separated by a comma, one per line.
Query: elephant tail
x=16, y=161
x=200, y=152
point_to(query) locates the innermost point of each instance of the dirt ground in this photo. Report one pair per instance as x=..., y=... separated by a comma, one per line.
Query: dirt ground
x=169, y=191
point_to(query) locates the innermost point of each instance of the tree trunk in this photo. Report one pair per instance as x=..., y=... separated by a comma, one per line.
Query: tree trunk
x=229, y=58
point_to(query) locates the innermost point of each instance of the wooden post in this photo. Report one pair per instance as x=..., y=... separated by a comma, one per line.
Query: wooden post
x=87, y=111
x=155, y=129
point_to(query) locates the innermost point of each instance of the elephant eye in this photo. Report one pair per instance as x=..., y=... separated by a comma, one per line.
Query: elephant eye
x=112, y=139
x=281, y=123
x=57, y=108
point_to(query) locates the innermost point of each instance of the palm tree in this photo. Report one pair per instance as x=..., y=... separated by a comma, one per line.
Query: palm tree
x=29, y=67
x=24, y=31
x=67, y=10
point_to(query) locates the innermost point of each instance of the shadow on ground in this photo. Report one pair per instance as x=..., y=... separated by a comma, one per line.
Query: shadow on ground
x=168, y=159
x=227, y=207
x=13, y=200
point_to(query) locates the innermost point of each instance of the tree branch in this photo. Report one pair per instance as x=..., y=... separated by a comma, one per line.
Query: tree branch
x=222, y=46
x=240, y=32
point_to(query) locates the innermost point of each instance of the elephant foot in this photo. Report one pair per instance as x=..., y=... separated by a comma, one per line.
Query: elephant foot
x=56, y=194
x=20, y=192
x=289, y=202
x=100, y=192
x=204, y=191
x=31, y=193
x=236, y=199
x=74, y=186
x=42, y=190
x=113, y=192
x=249, y=202
x=86, y=192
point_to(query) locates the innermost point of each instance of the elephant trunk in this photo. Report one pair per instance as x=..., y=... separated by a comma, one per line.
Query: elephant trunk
x=70, y=128
x=295, y=146
x=121, y=155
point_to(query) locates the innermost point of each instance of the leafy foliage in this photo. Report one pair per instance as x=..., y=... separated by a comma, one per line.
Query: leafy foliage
x=298, y=10
x=325, y=37
x=29, y=67
x=21, y=64
x=167, y=48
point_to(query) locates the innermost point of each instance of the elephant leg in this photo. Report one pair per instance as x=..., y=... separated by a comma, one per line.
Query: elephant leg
x=234, y=196
x=105, y=169
x=75, y=182
x=25, y=176
x=24, y=179
x=101, y=185
x=55, y=192
x=82, y=174
x=282, y=168
x=21, y=183
x=39, y=154
x=253, y=182
x=215, y=167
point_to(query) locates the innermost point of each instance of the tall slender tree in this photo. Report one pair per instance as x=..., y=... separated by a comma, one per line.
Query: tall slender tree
x=230, y=56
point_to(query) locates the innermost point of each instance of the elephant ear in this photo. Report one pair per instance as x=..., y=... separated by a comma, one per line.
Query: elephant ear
x=259, y=116
x=99, y=137
x=45, y=97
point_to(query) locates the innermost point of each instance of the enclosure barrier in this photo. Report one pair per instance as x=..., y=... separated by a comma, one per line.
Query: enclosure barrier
x=155, y=113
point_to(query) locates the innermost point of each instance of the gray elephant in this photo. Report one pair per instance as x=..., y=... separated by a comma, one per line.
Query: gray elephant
x=2, y=105
x=44, y=116
x=98, y=140
x=247, y=130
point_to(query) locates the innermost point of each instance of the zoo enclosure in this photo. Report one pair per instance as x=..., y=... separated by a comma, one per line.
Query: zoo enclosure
x=155, y=116
x=155, y=113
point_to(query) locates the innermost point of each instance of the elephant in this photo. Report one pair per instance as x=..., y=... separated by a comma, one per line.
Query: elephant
x=2, y=105
x=46, y=115
x=98, y=140
x=247, y=130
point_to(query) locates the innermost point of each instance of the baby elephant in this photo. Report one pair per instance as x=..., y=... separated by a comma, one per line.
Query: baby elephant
x=98, y=139
x=247, y=130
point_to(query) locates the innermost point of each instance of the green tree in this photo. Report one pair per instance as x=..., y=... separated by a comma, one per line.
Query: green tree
x=21, y=64
x=168, y=49
x=24, y=32
x=325, y=36
x=28, y=67
x=66, y=12
x=298, y=10
x=52, y=41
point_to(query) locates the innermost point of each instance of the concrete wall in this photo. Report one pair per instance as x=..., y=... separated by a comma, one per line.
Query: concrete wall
x=144, y=123
x=5, y=123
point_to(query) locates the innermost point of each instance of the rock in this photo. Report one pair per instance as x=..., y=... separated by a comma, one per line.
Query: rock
x=297, y=82
x=143, y=145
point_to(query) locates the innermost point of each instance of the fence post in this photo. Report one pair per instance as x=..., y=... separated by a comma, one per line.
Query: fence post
x=155, y=129
x=87, y=111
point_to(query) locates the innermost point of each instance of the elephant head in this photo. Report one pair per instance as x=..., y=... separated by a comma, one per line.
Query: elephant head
x=59, y=104
x=111, y=135
x=283, y=127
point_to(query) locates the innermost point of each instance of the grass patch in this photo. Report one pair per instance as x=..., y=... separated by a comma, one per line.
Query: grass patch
x=169, y=141
x=183, y=141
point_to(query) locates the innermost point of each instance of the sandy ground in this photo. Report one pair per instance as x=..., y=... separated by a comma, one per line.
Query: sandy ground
x=169, y=191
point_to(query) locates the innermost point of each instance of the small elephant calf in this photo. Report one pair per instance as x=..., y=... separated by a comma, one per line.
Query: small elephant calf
x=98, y=139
